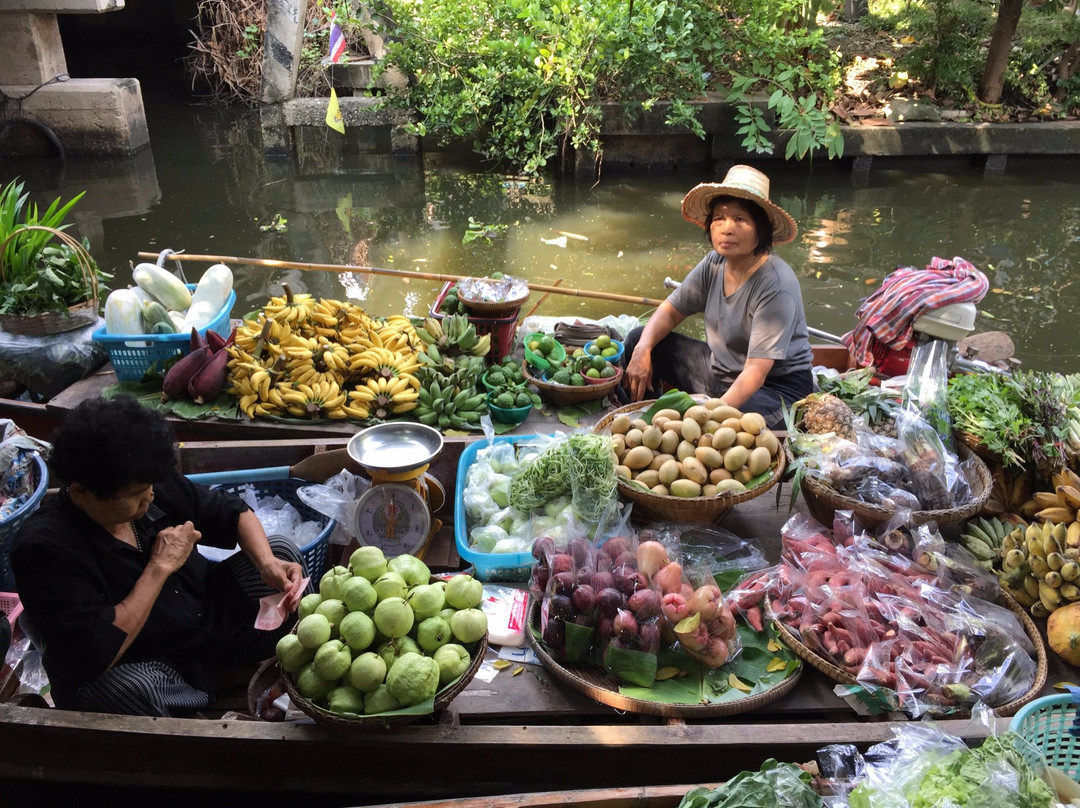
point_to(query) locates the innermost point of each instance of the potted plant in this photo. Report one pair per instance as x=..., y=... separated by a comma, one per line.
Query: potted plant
x=49, y=283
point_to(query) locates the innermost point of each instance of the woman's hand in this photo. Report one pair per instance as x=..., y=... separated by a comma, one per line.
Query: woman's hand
x=173, y=545
x=639, y=374
x=284, y=576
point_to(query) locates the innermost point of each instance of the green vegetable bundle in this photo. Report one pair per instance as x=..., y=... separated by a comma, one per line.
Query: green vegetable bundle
x=580, y=465
x=775, y=785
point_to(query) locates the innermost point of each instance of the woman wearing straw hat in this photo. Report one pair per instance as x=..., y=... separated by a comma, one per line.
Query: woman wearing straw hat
x=756, y=354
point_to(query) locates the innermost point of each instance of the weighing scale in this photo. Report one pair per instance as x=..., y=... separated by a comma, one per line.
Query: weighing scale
x=396, y=513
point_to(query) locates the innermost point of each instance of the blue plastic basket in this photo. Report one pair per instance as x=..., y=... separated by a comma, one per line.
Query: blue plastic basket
x=1045, y=723
x=268, y=483
x=488, y=566
x=135, y=356
x=10, y=526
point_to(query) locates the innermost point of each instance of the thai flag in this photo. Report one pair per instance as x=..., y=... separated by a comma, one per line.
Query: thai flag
x=337, y=41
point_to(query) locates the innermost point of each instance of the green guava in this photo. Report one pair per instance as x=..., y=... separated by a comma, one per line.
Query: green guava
x=311, y=685
x=333, y=578
x=333, y=610
x=464, y=592
x=413, y=679
x=368, y=562
x=411, y=568
x=432, y=634
x=390, y=585
x=313, y=630
x=307, y=606
x=357, y=631
x=393, y=617
x=391, y=651
x=358, y=594
x=426, y=600
x=332, y=660
x=292, y=654
x=345, y=700
x=453, y=660
x=367, y=672
x=469, y=625
x=380, y=701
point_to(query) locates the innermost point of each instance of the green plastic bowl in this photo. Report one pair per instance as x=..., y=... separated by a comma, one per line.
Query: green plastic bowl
x=539, y=362
x=507, y=415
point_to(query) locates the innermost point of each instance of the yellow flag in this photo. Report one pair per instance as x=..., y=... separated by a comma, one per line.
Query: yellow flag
x=333, y=114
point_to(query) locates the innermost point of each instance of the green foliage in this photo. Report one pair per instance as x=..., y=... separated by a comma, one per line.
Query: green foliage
x=252, y=37
x=36, y=274
x=523, y=79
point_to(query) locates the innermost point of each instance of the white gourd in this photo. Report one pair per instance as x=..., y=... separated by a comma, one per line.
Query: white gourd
x=209, y=296
x=123, y=312
x=163, y=286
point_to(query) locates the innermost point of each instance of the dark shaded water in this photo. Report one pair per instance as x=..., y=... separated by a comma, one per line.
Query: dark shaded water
x=205, y=187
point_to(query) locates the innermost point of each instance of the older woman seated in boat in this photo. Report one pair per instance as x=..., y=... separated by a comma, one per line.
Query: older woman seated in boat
x=756, y=354
x=132, y=619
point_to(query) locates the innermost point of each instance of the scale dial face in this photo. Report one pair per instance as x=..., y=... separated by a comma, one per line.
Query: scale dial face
x=394, y=517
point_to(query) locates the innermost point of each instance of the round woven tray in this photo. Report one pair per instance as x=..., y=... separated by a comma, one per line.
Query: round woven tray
x=812, y=658
x=684, y=509
x=563, y=395
x=600, y=687
x=442, y=698
x=51, y=322
x=822, y=501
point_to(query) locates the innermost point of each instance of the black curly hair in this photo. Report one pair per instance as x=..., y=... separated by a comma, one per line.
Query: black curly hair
x=108, y=444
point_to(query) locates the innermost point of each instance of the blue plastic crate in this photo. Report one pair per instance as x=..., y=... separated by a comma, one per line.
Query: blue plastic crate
x=1045, y=723
x=133, y=356
x=488, y=566
x=10, y=526
x=275, y=481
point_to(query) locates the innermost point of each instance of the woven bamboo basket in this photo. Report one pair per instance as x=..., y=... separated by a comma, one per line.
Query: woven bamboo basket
x=838, y=674
x=563, y=395
x=684, y=509
x=823, y=501
x=442, y=698
x=51, y=322
x=597, y=685
x=976, y=445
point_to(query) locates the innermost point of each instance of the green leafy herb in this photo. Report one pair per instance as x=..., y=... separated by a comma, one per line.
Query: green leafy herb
x=775, y=785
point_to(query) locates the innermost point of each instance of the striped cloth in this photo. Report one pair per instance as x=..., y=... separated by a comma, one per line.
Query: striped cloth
x=889, y=314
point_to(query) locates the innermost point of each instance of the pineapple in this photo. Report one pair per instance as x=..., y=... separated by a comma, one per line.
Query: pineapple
x=823, y=413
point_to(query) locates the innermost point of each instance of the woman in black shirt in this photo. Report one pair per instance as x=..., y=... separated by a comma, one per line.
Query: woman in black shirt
x=131, y=618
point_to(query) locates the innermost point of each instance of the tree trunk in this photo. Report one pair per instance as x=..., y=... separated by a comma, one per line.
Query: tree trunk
x=1070, y=65
x=997, y=56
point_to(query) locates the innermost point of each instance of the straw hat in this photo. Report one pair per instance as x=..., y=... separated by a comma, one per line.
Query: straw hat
x=741, y=182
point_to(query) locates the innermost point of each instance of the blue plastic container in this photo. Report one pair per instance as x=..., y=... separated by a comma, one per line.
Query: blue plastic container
x=1045, y=723
x=487, y=566
x=135, y=355
x=10, y=526
x=268, y=482
x=614, y=359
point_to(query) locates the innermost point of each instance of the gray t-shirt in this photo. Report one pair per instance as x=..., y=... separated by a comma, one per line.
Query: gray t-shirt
x=764, y=318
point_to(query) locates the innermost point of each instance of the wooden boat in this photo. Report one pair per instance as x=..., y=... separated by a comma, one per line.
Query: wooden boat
x=503, y=735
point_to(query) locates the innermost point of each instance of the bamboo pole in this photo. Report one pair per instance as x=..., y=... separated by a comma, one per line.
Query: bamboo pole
x=398, y=273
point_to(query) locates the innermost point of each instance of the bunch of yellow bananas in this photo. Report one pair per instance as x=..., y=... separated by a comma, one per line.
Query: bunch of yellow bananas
x=330, y=360
x=1041, y=565
x=1059, y=505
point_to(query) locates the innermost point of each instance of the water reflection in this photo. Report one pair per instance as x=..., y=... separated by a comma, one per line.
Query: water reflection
x=206, y=188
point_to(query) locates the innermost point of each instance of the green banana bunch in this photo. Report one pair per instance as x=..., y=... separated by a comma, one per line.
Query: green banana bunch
x=983, y=537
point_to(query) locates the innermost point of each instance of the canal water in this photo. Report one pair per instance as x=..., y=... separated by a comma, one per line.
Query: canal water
x=205, y=186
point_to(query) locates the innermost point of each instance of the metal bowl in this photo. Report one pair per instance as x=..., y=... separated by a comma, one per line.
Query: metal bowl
x=395, y=447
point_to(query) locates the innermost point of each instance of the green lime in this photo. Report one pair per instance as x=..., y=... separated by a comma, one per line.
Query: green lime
x=598, y=363
x=593, y=349
x=607, y=372
x=592, y=373
x=603, y=341
x=609, y=352
x=534, y=344
x=547, y=344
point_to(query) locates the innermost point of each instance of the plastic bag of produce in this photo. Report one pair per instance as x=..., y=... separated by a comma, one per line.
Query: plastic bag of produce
x=925, y=766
